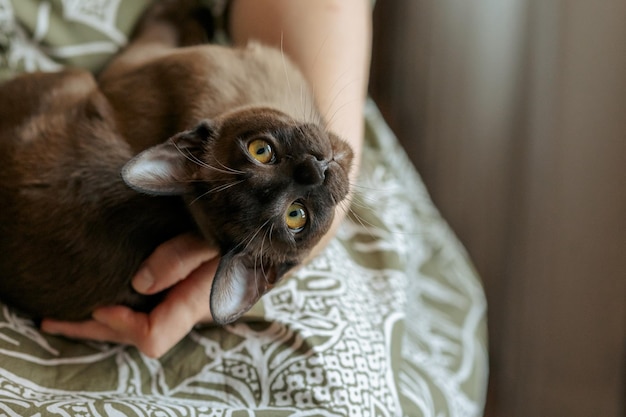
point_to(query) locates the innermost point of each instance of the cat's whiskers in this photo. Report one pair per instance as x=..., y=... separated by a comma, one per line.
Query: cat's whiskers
x=227, y=168
x=302, y=101
x=217, y=189
x=313, y=112
x=289, y=93
x=357, y=204
x=260, y=255
x=282, y=54
x=247, y=241
x=369, y=195
x=192, y=158
x=225, y=186
x=188, y=155
x=355, y=201
x=255, y=275
x=270, y=235
x=337, y=110
x=368, y=226
x=224, y=169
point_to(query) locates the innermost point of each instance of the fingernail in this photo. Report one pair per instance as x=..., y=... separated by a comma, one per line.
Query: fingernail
x=143, y=280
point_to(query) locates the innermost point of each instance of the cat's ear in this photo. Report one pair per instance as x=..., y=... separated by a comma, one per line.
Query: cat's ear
x=168, y=168
x=239, y=283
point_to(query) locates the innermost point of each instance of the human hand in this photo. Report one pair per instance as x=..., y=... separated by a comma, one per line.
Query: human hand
x=186, y=265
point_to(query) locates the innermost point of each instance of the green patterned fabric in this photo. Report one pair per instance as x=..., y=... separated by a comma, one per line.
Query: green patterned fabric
x=388, y=321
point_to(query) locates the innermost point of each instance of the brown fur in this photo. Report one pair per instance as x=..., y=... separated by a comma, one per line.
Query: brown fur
x=95, y=175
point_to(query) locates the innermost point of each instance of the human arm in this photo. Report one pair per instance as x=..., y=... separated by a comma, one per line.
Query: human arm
x=330, y=41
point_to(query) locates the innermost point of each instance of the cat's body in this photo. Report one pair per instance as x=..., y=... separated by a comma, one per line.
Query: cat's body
x=248, y=165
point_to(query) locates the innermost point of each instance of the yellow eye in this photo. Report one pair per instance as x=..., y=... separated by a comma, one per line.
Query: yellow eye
x=296, y=217
x=261, y=151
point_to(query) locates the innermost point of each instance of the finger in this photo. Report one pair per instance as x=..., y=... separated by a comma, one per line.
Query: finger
x=125, y=325
x=171, y=262
x=185, y=305
x=90, y=329
x=187, y=302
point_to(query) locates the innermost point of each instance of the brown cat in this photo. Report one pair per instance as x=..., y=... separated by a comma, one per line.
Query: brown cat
x=95, y=175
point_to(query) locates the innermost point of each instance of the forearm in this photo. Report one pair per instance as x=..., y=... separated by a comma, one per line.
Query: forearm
x=330, y=41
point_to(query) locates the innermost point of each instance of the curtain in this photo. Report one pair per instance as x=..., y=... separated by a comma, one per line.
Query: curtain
x=514, y=112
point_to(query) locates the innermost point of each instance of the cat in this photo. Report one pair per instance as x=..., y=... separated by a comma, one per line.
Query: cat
x=220, y=141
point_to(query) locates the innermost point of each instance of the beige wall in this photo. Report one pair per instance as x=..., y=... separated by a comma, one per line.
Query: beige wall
x=514, y=113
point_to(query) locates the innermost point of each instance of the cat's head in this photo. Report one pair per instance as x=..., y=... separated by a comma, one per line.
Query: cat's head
x=260, y=185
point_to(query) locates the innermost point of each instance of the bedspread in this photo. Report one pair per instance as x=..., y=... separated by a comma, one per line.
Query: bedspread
x=388, y=321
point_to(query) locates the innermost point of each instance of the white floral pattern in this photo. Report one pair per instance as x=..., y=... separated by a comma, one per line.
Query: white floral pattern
x=388, y=321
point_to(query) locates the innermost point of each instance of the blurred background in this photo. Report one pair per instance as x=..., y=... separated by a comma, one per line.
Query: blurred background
x=514, y=113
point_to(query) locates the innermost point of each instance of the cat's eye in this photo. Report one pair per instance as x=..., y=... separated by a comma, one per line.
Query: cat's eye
x=262, y=151
x=296, y=217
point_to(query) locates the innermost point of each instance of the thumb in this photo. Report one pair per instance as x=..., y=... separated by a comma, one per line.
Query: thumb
x=172, y=262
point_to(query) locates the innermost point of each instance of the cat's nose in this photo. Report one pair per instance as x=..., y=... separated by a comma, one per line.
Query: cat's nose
x=310, y=171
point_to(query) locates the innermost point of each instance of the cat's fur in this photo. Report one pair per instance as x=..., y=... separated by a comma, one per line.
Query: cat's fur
x=95, y=175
